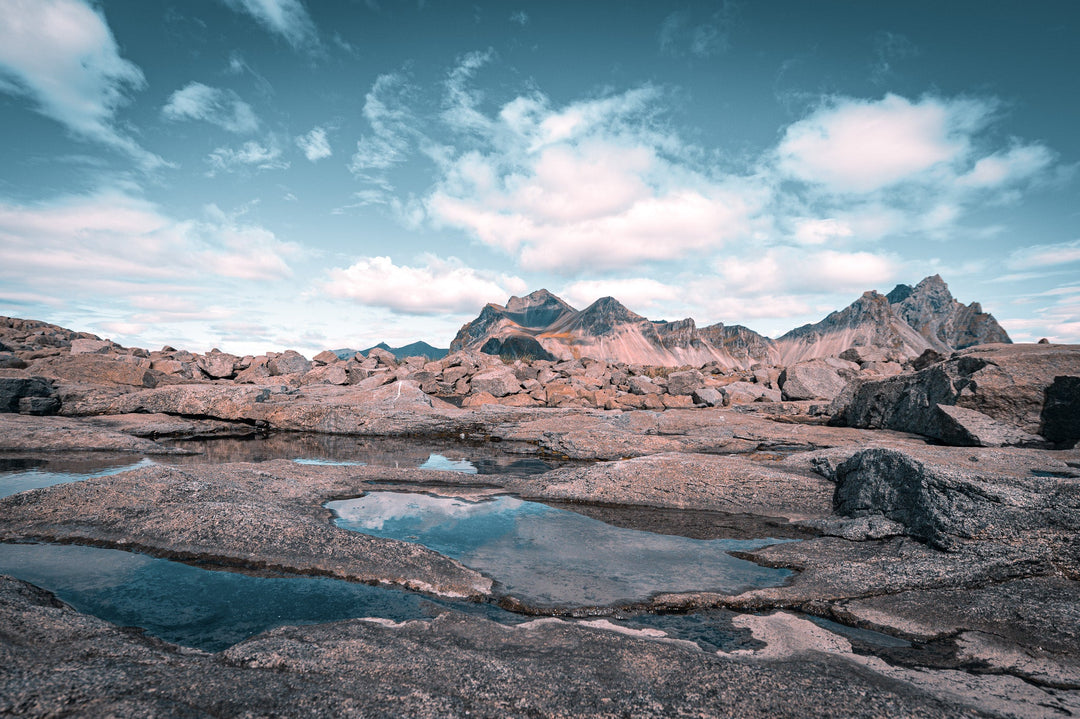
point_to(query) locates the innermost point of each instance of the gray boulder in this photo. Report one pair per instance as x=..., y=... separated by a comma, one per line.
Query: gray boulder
x=28, y=395
x=815, y=379
x=709, y=397
x=640, y=384
x=685, y=383
x=1011, y=384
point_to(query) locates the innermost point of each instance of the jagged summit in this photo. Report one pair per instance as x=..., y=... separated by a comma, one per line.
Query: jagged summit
x=903, y=323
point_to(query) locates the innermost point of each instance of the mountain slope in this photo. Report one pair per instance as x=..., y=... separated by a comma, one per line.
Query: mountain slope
x=932, y=311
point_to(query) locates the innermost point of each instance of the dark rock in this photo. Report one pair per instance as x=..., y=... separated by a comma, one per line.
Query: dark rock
x=10, y=361
x=39, y=406
x=517, y=347
x=13, y=390
x=1061, y=413
x=927, y=358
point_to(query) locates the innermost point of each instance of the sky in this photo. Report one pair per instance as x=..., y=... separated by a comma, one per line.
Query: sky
x=258, y=175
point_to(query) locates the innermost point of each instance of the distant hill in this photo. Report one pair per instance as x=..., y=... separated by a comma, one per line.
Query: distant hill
x=416, y=349
x=903, y=323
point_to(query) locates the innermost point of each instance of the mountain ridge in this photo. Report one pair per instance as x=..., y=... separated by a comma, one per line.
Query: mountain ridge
x=902, y=324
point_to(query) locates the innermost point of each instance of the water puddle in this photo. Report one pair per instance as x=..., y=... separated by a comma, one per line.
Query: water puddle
x=554, y=557
x=206, y=609
x=19, y=474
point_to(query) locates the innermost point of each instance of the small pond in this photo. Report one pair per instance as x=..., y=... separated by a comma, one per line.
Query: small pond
x=554, y=557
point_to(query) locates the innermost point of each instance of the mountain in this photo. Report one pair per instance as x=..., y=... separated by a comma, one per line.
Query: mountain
x=901, y=324
x=930, y=309
x=416, y=349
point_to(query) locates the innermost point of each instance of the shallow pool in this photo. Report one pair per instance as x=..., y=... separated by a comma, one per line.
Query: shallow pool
x=554, y=557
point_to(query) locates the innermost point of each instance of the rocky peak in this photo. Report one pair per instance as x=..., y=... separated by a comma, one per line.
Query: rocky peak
x=536, y=310
x=604, y=316
x=933, y=312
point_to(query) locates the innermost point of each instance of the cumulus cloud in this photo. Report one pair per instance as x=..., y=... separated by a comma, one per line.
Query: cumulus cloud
x=111, y=242
x=793, y=270
x=438, y=286
x=588, y=185
x=62, y=55
x=249, y=156
x=287, y=18
x=315, y=144
x=223, y=108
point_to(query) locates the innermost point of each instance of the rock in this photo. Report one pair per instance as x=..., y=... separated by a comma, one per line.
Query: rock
x=859, y=355
x=382, y=357
x=326, y=357
x=1061, y=414
x=559, y=393
x=640, y=384
x=288, y=362
x=963, y=427
x=327, y=374
x=10, y=361
x=676, y=401
x=13, y=390
x=94, y=369
x=684, y=383
x=1008, y=383
x=497, y=381
x=218, y=365
x=91, y=346
x=927, y=358
x=39, y=406
x=881, y=369
x=1012, y=497
x=478, y=399
x=708, y=396
x=255, y=374
x=811, y=380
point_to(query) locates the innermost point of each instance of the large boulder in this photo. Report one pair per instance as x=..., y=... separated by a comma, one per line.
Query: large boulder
x=218, y=365
x=815, y=379
x=685, y=383
x=28, y=395
x=1011, y=384
x=87, y=346
x=288, y=362
x=497, y=381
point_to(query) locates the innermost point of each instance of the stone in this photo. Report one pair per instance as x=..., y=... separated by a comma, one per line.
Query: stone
x=254, y=374
x=1008, y=383
x=15, y=389
x=708, y=396
x=558, y=392
x=497, y=381
x=382, y=357
x=927, y=358
x=963, y=427
x=811, y=380
x=741, y=393
x=640, y=384
x=327, y=374
x=1060, y=414
x=676, y=401
x=326, y=357
x=95, y=369
x=288, y=362
x=881, y=369
x=478, y=399
x=95, y=346
x=10, y=361
x=39, y=406
x=684, y=383
x=218, y=365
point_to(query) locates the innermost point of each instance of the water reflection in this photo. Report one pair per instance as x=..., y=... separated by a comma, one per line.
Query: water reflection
x=209, y=610
x=555, y=557
x=59, y=470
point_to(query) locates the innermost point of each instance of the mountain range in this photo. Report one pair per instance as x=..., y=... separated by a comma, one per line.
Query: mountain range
x=902, y=324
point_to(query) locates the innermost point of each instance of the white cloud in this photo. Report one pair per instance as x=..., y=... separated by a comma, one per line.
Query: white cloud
x=461, y=101
x=249, y=156
x=223, y=108
x=861, y=146
x=635, y=292
x=436, y=287
x=588, y=186
x=287, y=18
x=1037, y=256
x=1018, y=164
x=793, y=270
x=62, y=55
x=113, y=243
x=520, y=17
x=315, y=144
x=392, y=124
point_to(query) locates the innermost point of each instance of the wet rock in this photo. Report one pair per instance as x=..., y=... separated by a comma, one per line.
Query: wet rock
x=811, y=380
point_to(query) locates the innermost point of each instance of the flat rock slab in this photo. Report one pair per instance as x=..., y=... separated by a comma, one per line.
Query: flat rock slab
x=264, y=516
x=731, y=484
x=22, y=433
x=450, y=666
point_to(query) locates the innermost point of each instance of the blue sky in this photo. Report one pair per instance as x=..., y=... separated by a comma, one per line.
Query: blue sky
x=263, y=174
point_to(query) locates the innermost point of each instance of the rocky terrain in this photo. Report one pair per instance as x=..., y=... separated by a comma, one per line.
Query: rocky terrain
x=932, y=490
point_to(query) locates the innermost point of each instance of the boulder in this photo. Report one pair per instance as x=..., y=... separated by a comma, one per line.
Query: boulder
x=382, y=356
x=741, y=393
x=640, y=384
x=218, y=365
x=14, y=391
x=963, y=427
x=1061, y=412
x=478, y=399
x=84, y=346
x=1011, y=384
x=94, y=369
x=497, y=381
x=10, y=361
x=327, y=374
x=685, y=383
x=325, y=357
x=811, y=380
x=558, y=393
x=708, y=396
x=288, y=362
